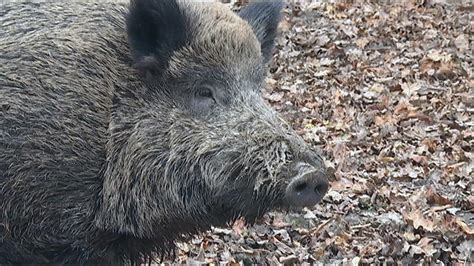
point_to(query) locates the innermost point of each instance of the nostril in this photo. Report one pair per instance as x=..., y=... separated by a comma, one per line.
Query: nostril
x=321, y=187
x=318, y=188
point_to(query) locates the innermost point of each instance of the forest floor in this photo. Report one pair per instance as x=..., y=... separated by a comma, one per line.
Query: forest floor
x=386, y=93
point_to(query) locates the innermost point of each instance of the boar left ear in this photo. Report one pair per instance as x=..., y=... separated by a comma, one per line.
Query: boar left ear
x=155, y=29
x=264, y=17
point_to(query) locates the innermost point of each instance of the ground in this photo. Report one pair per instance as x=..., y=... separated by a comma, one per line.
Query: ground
x=386, y=93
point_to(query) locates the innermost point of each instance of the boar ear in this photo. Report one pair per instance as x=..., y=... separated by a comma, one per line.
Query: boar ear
x=264, y=18
x=155, y=29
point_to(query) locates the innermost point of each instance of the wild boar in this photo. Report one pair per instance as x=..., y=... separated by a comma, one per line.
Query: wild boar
x=127, y=127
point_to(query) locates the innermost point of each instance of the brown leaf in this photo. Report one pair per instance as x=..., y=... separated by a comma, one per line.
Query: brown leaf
x=239, y=227
x=396, y=87
x=403, y=108
x=429, y=144
x=433, y=197
x=362, y=42
x=420, y=159
x=279, y=223
x=386, y=119
x=447, y=70
x=425, y=245
x=410, y=237
x=416, y=218
x=465, y=228
x=285, y=25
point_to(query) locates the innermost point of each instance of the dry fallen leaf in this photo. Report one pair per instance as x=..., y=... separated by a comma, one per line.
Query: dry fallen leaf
x=417, y=219
x=465, y=228
x=462, y=42
x=434, y=197
x=239, y=226
x=425, y=245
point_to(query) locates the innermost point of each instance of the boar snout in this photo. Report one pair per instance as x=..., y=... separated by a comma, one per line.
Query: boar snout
x=308, y=186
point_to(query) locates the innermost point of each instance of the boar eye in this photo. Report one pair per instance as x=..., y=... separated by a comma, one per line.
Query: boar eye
x=203, y=100
x=204, y=92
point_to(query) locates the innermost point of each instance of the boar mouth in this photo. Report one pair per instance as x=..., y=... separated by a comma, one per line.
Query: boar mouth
x=249, y=203
x=283, y=193
x=253, y=180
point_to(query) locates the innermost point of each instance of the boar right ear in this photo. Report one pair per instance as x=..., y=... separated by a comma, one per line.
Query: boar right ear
x=264, y=18
x=155, y=29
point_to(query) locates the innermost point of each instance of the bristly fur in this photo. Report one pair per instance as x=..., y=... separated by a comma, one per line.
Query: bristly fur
x=103, y=159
